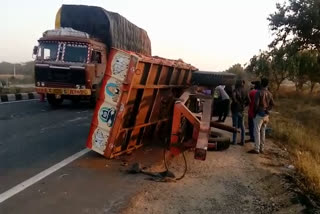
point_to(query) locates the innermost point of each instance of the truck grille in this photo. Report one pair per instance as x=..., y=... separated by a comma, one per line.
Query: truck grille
x=60, y=75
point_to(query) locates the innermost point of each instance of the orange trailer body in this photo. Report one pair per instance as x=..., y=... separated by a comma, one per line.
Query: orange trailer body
x=136, y=101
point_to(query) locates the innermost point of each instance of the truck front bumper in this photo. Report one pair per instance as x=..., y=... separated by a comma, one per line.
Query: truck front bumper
x=63, y=91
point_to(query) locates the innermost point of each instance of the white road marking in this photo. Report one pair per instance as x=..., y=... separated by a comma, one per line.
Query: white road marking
x=18, y=101
x=76, y=119
x=18, y=188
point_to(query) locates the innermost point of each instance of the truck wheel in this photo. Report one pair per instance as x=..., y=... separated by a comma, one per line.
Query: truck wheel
x=93, y=100
x=95, y=94
x=53, y=101
x=218, y=141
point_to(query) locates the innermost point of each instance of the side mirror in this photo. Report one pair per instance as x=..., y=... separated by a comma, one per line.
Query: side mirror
x=35, y=50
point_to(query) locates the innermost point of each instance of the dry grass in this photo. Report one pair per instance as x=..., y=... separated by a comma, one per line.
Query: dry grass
x=6, y=76
x=296, y=124
x=15, y=90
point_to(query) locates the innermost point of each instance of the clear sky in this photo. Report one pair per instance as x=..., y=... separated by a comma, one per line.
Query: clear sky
x=210, y=34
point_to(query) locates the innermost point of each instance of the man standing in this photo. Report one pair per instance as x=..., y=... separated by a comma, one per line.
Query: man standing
x=239, y=101
x=224, y=102
x=252, y=95
x=263, y=103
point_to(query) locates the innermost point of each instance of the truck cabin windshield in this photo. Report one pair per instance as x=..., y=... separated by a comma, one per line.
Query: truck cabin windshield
x=61, y=51
x=48, y=51
x=76, y=53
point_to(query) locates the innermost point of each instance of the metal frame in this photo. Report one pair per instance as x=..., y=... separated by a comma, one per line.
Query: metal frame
x=201, y=127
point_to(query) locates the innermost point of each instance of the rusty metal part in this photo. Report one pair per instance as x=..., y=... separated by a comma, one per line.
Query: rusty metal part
x=201, y=128
x=202, y=142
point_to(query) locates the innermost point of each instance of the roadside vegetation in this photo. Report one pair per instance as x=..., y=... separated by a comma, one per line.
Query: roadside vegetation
x=16, y=77
x=295, y=126
x=15, y=90
x=292, y=64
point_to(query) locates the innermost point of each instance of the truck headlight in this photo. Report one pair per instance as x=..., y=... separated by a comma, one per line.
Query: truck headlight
x=83, y=87
x=38, y=83
x=42, y=84
x=78, y=86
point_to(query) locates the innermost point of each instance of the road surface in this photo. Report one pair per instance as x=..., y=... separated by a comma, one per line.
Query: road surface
x=33, y=138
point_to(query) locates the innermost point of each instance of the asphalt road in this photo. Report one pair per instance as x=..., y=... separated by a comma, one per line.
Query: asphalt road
x=34, y=137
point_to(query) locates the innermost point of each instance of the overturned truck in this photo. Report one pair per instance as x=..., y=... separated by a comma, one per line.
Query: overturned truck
x=146, y=99
x=136, y=101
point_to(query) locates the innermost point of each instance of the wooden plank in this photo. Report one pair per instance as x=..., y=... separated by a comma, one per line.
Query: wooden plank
x=152, y=74
x=159, y=104
x=136, y=79
x=174, y=76
x=181, y=77
x=145, y=104
x=163, y=75
x=145, y=74
x=129, y=108
x=156, y=81
x=143, y=125
x=185, y=77
x=188, y=80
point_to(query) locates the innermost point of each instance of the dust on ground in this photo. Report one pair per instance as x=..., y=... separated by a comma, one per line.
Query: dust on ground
x=230, y=181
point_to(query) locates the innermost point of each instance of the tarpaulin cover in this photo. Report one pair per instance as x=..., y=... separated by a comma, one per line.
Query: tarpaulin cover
x=209, y=78
x=113, y=29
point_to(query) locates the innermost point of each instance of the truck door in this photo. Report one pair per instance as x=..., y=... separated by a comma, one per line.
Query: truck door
x=99, y=61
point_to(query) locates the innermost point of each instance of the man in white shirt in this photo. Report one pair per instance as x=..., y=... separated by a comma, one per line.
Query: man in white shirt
x=224, y=102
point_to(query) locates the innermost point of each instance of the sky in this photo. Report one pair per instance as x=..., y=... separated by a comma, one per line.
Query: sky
x=209, y=34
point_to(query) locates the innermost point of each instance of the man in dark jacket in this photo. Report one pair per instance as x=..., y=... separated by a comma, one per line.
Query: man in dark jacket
x=224, y=103
x=263, y=103
x=239, y=101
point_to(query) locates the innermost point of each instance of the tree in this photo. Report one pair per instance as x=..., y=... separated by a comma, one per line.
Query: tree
x=309, y=65
x=294, y=53
x=274, y=65
x=298, y=22
x=281, y=61
x=298, y=71
x=238, y=70
x=259, y=65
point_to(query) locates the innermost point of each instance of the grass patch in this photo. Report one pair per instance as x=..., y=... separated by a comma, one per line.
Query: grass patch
x=296, y=125
x=15, y=90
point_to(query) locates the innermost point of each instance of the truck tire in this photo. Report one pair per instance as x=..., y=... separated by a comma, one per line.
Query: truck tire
x=93, y=100
x=53, y=101
x=212, y=79
x=218, y=141
x=95, y=94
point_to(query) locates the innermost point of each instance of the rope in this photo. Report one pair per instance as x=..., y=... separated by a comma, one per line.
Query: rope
x=184, y=159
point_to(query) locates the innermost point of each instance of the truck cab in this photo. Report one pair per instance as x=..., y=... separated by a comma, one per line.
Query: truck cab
x=69, y=65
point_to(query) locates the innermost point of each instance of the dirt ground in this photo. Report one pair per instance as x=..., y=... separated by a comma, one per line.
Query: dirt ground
x=230, y=181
